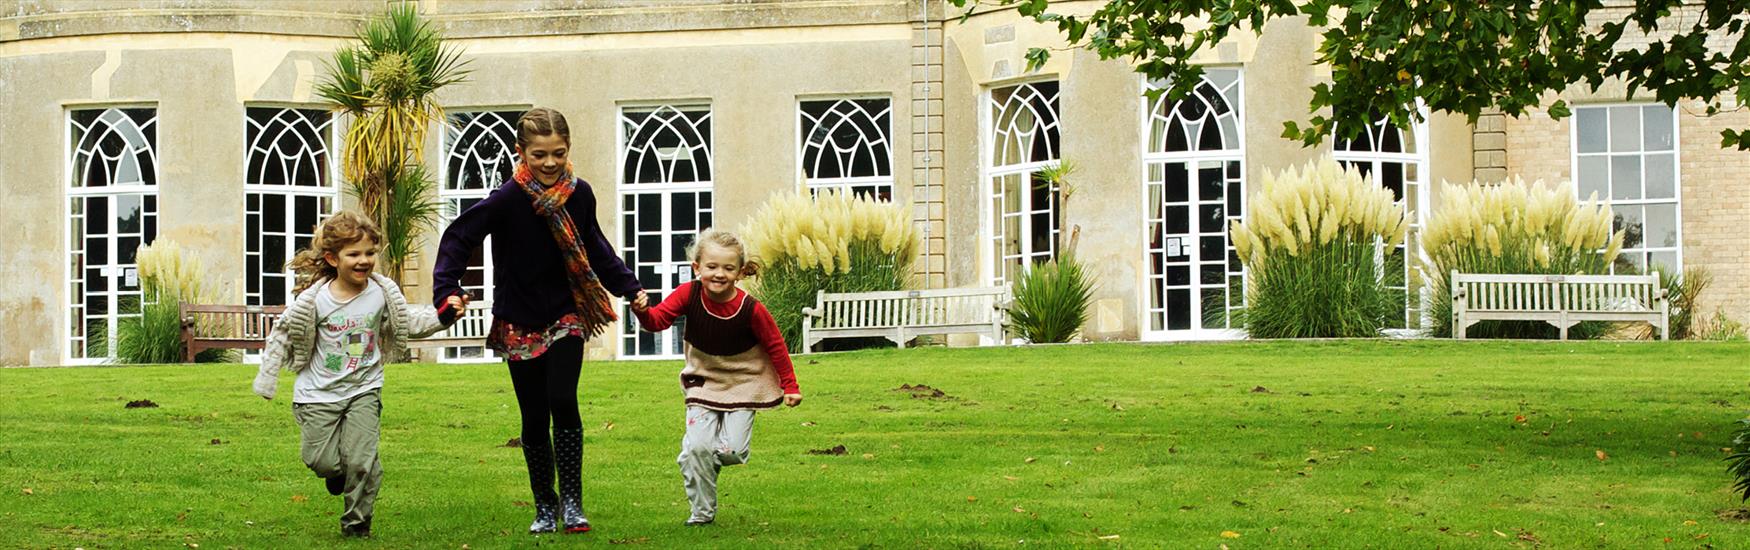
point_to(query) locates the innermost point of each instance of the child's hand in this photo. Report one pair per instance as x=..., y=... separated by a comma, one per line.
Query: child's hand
x=641, y=303
x=460, y=303
x=792, y=399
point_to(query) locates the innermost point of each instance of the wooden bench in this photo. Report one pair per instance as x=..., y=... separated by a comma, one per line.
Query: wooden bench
x=470, y=330
x=207, y=327
x=1560, y=300
x=902, y=315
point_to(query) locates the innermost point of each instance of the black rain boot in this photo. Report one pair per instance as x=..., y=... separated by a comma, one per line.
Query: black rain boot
x=568, y=456
x=539, y=457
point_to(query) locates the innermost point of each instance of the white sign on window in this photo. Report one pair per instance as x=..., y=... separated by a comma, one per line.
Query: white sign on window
x=1173, y=247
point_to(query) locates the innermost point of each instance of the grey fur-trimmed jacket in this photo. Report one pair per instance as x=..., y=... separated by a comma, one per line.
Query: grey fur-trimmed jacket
x=294, y=336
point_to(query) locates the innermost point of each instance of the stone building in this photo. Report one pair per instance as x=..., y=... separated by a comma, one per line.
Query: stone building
x=122, y=121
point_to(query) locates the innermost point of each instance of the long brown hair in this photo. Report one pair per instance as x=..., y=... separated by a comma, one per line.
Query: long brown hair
x=339, y=231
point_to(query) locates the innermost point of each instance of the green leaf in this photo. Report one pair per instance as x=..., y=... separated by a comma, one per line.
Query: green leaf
x=1036, y=58
x=1559, y=110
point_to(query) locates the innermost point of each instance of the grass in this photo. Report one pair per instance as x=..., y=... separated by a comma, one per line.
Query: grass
x=1347, y=444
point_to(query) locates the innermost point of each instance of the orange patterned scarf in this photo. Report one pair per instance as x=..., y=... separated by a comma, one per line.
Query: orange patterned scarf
x=595, y=308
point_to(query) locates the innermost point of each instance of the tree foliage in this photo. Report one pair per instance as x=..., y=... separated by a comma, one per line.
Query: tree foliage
x=1458, y=56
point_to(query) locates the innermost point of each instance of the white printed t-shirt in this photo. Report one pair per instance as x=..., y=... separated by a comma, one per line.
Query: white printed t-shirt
x=348, y=359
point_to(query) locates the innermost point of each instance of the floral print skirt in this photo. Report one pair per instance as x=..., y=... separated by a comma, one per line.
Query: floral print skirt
x=517, y=343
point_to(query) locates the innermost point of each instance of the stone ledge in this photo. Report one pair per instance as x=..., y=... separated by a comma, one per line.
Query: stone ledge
x=341, y=20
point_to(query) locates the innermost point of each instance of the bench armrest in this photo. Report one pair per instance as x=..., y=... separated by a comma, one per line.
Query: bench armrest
x=811, y=312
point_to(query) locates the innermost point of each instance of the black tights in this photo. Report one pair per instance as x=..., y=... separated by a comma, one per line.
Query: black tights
x=546, y=387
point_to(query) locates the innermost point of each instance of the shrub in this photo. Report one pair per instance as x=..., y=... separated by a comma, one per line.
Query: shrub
x=1513, y=227
x=1051, y=301
x=832, y=242
x=1310, y=243
x=1719, y=329
x=1738, y=459
x=1682, y=294
x=167, y=279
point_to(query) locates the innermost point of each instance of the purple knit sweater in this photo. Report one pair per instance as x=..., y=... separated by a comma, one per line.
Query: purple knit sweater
x=529, y=285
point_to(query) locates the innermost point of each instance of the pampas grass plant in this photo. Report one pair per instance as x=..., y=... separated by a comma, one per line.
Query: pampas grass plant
x=833, y=242
x=1514, y=227
x=167, y=279
x=1310, y=244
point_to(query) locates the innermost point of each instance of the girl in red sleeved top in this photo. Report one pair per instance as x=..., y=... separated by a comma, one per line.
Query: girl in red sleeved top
x=736, y=363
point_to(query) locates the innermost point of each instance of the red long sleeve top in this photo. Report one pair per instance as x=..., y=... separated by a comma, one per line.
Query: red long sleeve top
x=765, y=329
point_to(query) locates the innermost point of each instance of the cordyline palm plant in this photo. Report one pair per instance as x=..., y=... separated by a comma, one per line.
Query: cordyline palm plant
x=1310, y=243
x=1051, y=299
x=1513, y=227
x=388, y=84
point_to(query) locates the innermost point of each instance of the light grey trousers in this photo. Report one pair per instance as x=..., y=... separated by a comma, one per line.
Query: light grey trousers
x=714, y=439
x=340, y=438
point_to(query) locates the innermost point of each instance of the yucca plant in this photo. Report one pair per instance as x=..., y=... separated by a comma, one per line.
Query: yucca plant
x=1051, y=301
x=1683, y=290
x=1514, y=227
x=167, y=279
x=388, y=85
x=1310, y=244
x=831, y=242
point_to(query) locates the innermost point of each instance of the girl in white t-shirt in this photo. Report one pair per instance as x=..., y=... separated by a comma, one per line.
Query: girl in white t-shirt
x=346, y=323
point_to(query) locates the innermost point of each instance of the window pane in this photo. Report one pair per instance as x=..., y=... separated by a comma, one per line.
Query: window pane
x=1660, y=134
x=1665, y=262
x=1625, y=178
x=1591, y=130
x=1661, y=225
x=1594, y=180
x=1625, y=129
x=1661, y=175
x=1629, y=220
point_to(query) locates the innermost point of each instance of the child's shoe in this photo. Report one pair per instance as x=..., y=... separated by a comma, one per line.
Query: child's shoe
x=697, y=521
x=574, y=520
x=362, y=530
x=336, y=484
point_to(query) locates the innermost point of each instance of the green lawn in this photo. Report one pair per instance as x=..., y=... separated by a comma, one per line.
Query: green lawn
x=1323, y=444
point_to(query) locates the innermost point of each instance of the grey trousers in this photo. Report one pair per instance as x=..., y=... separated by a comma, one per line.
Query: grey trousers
x=341, y=439
x=714, y=439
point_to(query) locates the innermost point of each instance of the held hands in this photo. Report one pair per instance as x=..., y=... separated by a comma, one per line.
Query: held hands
x=792, y=399
x=454, y=307
x=641, y=303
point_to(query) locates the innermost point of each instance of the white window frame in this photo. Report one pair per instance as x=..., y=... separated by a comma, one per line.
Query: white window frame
x=991, y=250
x=844, y=184
x=329, y=190
x=1676, y=200
x=69, y=278
x=622, y=189
x=1144, y=309
x=1415, y=195
x=451, y=200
